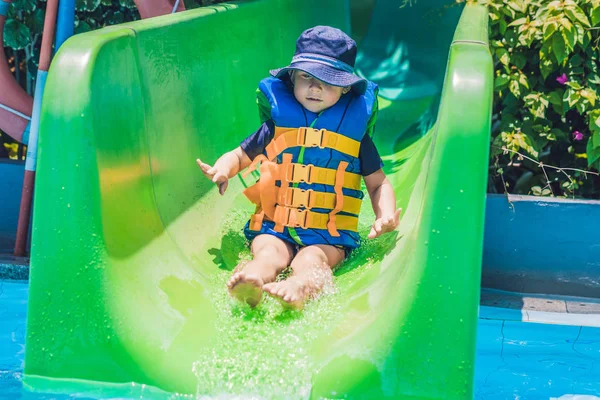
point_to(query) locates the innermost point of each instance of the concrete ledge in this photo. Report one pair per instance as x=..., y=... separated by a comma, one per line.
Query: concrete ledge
x=541, y=317
x=14, y=268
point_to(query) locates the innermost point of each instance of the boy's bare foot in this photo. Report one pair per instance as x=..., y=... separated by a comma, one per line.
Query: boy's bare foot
x=292, y=293
x=246, y=287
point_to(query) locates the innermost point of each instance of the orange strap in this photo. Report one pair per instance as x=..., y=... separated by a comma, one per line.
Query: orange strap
x=298, y=198
x=285, y=138
x=310, y=174
x=258, y=159
x=306, y=219
x=264, y=192
x=287, y=160
x=256, y=219
x=253, y=193
x=339, y=198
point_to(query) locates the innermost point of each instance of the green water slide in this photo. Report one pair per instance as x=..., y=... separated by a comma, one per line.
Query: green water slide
x=132, y=245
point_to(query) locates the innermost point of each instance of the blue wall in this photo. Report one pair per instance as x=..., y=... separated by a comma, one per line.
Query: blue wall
x=542, y=245
x=11, y=185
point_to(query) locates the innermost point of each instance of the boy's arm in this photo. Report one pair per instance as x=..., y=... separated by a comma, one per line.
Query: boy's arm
x=233, y=162
x=226, y=167
x=383, y=200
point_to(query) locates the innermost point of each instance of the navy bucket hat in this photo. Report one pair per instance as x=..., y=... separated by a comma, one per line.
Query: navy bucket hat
x=328, y=54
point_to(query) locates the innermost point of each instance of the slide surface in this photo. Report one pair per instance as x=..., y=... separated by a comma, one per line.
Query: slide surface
x=132, y=246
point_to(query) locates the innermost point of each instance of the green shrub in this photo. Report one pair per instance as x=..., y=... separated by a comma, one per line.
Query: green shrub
x=547, y=99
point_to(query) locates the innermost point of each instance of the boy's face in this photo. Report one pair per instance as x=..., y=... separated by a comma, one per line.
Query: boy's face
x=313, y=94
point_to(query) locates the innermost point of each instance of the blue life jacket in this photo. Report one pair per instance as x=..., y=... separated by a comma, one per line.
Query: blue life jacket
x=314, y=190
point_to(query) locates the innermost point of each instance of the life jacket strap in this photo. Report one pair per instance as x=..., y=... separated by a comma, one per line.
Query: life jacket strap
x=339, y=198
x=305, y=219
x=256, y=220
x=300, y=198
x=296, y=173
x=285, y=138
x=287, y=160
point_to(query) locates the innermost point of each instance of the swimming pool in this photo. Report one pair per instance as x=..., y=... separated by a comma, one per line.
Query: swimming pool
x=515, y=359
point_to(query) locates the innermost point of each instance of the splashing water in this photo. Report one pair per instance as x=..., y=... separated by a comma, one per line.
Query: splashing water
x=264, y=353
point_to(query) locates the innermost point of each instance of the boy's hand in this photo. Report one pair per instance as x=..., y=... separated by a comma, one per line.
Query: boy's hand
x=385, y=224
x=219, y=178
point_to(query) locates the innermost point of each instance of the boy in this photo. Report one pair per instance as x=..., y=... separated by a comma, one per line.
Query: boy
x=314, y=147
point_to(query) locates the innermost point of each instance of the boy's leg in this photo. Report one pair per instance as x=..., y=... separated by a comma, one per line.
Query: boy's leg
x=271, y=256
x=311, y=272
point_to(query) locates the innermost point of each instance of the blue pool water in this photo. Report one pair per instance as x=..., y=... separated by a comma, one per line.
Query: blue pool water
x=515, y=360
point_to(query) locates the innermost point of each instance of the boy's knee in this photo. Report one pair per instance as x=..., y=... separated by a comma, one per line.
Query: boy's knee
x=271, y=252
x=309, y=255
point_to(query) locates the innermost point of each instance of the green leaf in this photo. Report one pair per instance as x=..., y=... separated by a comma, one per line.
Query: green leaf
x=582, y=107
x=570, y=38
x=115, y=18
x=515, y=5
x=502, y=26
x=555, y=97
x=557, y=134
x=501, y=81
x=546, y=64
x=503, y=56
x=572, y=97
x=591, y=63
x=518, y=22
x=519, y=60
x=514, y=88
x=86, y=5
x=537, y=104
x=523, y=141
x=549, y=29
x=16, y=35
x=576, y=14
x=35, y=21
x=576, y=60
x=594, y=122
x=127, y=4
x=593, y=154
x=558, y=48
x=574, y=84
x=590, y=95
x=83, y=27
x=528, y=35
x=523, y=80
x=24, y=5
x=106, y=3
x=594, y=78
x=596, y=16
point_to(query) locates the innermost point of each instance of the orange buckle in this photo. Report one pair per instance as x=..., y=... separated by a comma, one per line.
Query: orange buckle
x=291, y=217
x=299, y=197
x=311, y=137
x=300, y=172
x=297, y=218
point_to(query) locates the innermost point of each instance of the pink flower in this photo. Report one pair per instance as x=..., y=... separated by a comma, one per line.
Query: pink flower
x=562, y=79
x=577, y=135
